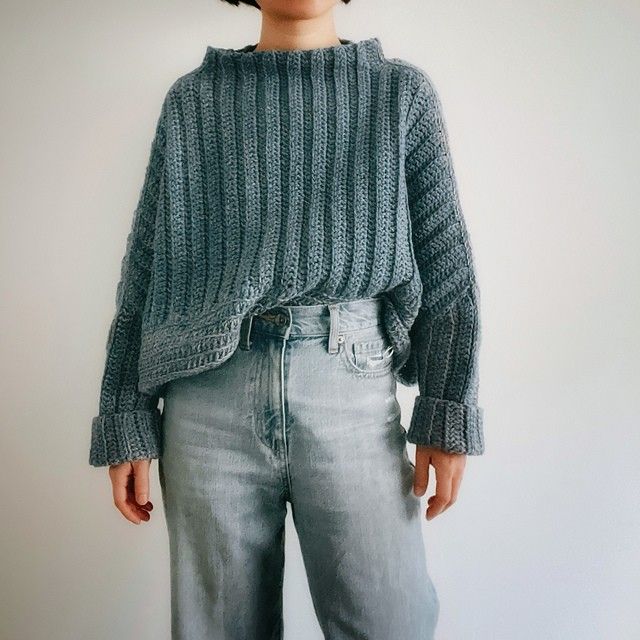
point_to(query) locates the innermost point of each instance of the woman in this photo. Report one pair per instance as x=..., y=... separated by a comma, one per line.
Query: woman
x=298, y=248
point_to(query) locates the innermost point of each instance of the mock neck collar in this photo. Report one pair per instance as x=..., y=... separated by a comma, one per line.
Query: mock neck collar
x=367, y=51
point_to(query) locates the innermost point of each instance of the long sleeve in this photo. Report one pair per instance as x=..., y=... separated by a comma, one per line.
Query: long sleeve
x=445, y=336
x=127, y=426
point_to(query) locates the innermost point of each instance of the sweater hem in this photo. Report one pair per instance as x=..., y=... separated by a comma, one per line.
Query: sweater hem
x=176, y=351
x=193, y=346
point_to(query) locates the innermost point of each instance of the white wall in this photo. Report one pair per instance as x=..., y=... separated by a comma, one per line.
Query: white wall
x=541, y=100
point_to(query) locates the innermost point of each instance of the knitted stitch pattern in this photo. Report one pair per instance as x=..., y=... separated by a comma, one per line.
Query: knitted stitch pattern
x=299, y=176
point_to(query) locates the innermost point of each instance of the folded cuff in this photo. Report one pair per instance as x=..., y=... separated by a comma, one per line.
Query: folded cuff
x=120, y=437
x=451, y=426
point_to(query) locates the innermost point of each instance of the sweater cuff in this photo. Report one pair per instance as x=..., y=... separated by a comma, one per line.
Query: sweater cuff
x=121, y=437
x=448, y=425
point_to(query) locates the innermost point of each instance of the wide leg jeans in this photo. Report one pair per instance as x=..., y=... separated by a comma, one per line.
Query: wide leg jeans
x=304, y=412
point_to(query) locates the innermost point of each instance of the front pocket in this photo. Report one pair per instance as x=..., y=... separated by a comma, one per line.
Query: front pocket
x=366, y=356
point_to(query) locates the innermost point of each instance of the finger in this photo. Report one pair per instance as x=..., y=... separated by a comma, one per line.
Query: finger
x=455, y=486
x=439, y=501
x=421, y=474
x=119, y=482
x=141, y=480
x=141, y=511
x=456, y=467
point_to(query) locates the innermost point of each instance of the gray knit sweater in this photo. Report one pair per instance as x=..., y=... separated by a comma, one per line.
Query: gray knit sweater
x=300, y=176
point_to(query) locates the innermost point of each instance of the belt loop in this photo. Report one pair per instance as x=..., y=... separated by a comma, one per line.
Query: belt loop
x=287, y=331
x=333, y=328
x=245, y=332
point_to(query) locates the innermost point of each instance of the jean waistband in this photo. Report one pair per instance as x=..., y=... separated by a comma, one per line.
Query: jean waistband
x=314, y=320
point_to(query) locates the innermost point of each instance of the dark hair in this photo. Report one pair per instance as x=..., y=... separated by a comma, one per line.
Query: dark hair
x=252, y=3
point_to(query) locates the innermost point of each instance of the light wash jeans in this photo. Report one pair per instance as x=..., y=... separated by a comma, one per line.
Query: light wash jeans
x=305, y=412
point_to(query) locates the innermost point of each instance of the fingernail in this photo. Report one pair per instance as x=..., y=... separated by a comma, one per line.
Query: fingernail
x=142, y=499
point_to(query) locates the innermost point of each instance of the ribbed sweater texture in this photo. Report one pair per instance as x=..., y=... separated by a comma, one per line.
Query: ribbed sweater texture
x=302, y=176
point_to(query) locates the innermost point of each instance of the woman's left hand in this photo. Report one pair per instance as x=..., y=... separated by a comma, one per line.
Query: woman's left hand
x=449, y=469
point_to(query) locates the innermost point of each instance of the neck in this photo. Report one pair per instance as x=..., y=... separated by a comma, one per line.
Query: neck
x=282, y=33
x=362, y=52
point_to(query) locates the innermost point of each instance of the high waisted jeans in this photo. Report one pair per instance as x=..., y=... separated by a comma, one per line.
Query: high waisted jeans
x=305, y=412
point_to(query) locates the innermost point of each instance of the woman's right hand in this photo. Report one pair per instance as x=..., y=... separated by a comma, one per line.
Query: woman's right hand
x=130, y=482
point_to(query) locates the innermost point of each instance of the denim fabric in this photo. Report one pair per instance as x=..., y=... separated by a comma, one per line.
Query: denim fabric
x=305, y=412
